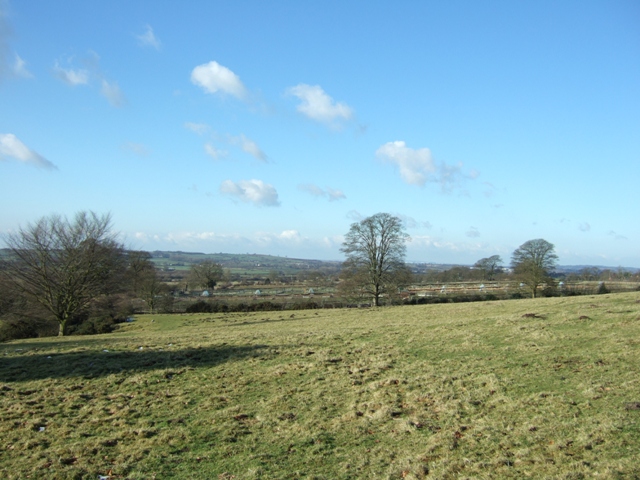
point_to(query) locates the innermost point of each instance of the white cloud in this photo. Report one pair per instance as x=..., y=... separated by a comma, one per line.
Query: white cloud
x=224, y=241
x=70, y=76
x=20, y=68
x=427, y=241
x=252, y=191
x=214, y=153
x=287, y=237
x=319, y=106
x=417, y=166
x=12, y=147
x=111, y=91
x=149, y=39
x=213, y=78
x=330, y=193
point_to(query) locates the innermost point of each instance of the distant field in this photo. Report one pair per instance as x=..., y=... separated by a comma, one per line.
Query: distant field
x=545, y=388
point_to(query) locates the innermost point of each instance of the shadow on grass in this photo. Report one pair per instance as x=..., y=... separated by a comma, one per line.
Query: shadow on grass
x=94, y=363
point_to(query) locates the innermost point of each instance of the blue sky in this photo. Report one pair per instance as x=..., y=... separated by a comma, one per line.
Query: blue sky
x=270, y=127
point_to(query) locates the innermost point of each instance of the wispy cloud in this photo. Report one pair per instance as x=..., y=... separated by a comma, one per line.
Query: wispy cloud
x=354, y=215
x=286, y=237
x=136, y=148
x=473, y=232
x=8, y=68
x=12, y=147
x=215, y=153
x=111, y=91
x=410, y=222
x=331, y=194
x=335, y=194
x=251, y=191
x=199, y=128
x=417, y=167
x=71, y=76
x=490, y=189
x=215, y=78
x=241, y=141
x=90, y=73
x=317, y=105
x=617, y=236
x=584, y=227
x=5, y=34
x=149, y=39
x=20, y=68
x=248, y=146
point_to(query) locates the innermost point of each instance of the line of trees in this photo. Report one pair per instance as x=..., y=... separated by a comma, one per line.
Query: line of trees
x=375, y=250
x=77, y=272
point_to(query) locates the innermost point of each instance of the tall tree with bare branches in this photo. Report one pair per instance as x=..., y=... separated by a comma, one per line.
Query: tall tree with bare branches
x=63, y=265
x=375, y=249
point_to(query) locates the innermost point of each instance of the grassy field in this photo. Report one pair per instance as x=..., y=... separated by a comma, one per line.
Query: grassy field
x=545, y=388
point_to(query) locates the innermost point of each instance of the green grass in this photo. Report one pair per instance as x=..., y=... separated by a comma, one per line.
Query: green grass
x=470, y=390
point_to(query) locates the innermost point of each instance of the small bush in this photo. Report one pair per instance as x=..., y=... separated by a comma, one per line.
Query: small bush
x=602, y=289
x=13, y=328
x=93, y=326
x=199, y=307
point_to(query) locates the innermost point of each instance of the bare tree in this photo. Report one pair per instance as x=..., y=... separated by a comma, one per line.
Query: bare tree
x=206, y=274
x=64, y=265
x=152, y=289
x=139, y=265
x=375, y=250
x=533, y=261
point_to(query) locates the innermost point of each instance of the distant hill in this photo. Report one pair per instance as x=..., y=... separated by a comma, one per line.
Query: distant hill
x=245, y=262
x=578, y=268
x=261, y=263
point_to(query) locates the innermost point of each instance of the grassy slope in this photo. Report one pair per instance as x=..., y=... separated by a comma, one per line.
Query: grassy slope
x=437, y=391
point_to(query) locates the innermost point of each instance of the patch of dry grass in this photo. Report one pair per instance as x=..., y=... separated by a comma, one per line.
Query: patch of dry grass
x=515, y=389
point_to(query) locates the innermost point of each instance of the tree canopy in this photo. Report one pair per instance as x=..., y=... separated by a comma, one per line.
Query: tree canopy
x=489, y=266
x=206, y=274
x=533, y=261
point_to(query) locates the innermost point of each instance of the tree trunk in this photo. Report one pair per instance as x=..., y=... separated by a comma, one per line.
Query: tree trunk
x=61, y=330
